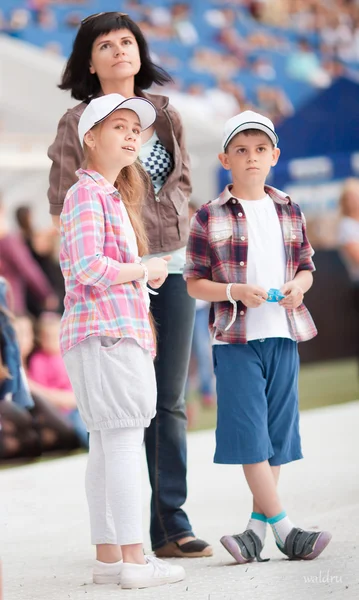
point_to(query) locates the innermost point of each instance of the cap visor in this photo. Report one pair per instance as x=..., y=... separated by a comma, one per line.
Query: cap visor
x=252, y=125
x=143, y=108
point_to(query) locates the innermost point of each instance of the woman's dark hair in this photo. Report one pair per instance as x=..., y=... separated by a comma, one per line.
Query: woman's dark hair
x=77, y=77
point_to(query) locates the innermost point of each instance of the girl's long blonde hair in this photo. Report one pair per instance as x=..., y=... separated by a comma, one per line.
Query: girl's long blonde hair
x=131, y=184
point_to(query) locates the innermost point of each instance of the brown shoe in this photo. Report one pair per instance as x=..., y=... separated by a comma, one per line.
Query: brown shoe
x=192, y=549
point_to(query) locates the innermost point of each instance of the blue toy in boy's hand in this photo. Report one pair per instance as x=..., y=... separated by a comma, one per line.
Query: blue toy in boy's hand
x=274, y=295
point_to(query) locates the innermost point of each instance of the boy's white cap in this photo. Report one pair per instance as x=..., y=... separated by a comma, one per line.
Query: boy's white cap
x=100, y=108
x=248, y=120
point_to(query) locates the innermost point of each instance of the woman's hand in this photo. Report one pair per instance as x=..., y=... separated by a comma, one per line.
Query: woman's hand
x=157, y=270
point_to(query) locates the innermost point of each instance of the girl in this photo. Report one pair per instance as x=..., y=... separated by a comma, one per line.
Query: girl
x=109, y=55
x=106, y=337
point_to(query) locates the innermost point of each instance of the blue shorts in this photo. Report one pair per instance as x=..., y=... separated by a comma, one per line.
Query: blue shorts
x=257, y=395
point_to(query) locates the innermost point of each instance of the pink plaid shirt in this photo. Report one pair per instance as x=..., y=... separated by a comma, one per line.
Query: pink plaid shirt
x=93, y=247
x=217, y=250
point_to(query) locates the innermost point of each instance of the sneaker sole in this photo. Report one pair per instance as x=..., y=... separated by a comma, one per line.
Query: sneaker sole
x=152, y=582
x=320, y=545
x=232, y=547
x=102, y=579
x=177, y=553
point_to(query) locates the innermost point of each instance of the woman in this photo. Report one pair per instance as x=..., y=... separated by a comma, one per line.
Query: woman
x=110, y=55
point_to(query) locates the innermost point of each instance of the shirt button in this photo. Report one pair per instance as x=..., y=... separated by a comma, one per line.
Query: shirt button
x=234, y=201
x=294, y=237
x=243, y=238
x=241, y=263
x=157, y=199
x=240, y=214
x=241, y=312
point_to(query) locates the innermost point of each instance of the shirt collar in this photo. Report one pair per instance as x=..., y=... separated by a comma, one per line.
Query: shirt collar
x=276, y=195
x=100, y=181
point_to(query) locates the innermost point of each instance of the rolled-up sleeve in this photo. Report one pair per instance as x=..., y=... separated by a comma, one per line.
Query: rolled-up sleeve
x=83, y=229
x=306, y=252
x=198, y=263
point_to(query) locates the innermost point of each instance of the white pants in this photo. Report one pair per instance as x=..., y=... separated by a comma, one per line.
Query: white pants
x=113, y=486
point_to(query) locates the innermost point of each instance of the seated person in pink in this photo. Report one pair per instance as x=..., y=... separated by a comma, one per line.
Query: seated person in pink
x=47, y=374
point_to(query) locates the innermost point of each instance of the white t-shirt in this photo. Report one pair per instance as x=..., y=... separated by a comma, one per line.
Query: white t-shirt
x=266, y=266
x=132, y=242
x=348, y=233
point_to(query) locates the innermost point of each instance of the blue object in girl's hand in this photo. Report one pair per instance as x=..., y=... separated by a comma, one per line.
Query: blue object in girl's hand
x=274, y=295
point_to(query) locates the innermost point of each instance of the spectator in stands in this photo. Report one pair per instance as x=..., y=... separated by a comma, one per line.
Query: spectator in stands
x=220, y=18
x=56, y=431
x=183, y=24
x=234, y=43
x=109, y=55
x=21, y=270
x=263, y=67
x=19, y=20
x=47, y=369
x=73, y=20
x=28, y=427
x=304, y=64
x=210, y=61
x=46, y=20
x=348, y=235
x=44, y=246
x=274, y=102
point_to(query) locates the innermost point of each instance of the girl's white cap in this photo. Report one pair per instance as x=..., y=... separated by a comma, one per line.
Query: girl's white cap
x=100, y=108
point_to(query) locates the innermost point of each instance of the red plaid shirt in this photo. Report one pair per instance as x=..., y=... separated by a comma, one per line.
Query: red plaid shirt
x=217, y=250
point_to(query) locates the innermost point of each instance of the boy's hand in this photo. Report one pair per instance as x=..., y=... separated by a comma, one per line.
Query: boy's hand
x=251, y=296
x=293, y=295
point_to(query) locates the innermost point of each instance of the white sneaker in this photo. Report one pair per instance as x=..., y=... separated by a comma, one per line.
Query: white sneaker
x=155, y=572
x=107, y=572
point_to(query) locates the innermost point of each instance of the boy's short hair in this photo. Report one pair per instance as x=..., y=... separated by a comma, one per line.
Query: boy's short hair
x=248, y=120
x=247, y=133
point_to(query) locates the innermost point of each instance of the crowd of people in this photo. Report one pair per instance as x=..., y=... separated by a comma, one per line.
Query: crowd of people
x=41, y=413
x=209, y=50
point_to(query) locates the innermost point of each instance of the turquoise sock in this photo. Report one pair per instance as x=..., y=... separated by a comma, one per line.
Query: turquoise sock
x=258, y=524
x=281, y=525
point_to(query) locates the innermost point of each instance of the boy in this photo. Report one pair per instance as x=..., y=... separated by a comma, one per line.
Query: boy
x=249, y=240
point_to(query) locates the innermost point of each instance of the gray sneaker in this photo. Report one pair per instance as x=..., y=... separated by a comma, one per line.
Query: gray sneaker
x=305, y=545
x=244, y=547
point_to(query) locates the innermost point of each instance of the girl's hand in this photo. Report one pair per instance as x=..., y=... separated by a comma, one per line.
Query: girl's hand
x=293, y=295
x=157, y=270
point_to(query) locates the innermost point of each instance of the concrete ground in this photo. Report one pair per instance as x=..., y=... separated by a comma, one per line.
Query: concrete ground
x=44, y=536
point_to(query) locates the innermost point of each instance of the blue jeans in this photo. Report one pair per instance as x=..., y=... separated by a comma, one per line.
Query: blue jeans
x=202, y=352
x=166, y=444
